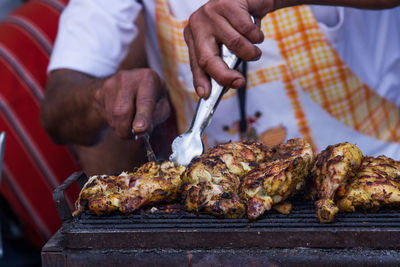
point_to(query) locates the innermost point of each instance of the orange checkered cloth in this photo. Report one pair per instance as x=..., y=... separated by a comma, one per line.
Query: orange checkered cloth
x=322, y=74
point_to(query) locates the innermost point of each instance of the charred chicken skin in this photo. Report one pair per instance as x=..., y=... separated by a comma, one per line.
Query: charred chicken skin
x=376, y=184
x=273, y=182
x=127, y=192
x=333, y=168
x=211, y=182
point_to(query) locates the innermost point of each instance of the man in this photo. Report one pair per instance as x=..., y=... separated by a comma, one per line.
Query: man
x=304, y=81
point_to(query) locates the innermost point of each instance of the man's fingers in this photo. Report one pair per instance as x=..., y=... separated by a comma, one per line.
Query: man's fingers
x=260, y=8
x=219, y=71
x=201, y=81
x=236, y=42
x=127, y=101
x=161, y=112
x=241, y=21
x=116, y=99
x=209, y=60
x=146, y=98
x=123, y=110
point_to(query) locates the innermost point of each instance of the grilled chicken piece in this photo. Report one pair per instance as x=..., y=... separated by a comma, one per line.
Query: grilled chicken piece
x=128, y=192
x=273, y=182
x=211, y=181
x=332, y=170
x=376, y=184
x=152, y=183
x=283, y=207
x=101, y=193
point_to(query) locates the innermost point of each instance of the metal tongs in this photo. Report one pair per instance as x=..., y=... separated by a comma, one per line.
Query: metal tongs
x=190, y=145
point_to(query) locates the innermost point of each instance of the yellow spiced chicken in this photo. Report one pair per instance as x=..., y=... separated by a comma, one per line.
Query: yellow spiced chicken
x=332, y=169
x=127, y=192
x=211, y=182
x=274, y=181
x=376, y=184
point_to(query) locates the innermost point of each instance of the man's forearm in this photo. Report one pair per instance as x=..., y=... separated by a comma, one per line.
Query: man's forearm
x=67, y=111
x=364, y=4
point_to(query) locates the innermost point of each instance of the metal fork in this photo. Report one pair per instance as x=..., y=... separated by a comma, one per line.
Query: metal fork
x=190, y=145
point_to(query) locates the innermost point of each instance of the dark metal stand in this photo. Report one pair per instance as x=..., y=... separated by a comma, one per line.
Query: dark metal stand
x=54, y=254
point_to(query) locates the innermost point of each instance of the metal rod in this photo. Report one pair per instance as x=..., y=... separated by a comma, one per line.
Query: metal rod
x=2, y=148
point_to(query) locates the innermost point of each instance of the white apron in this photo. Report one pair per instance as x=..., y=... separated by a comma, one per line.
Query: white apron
x=299, y=88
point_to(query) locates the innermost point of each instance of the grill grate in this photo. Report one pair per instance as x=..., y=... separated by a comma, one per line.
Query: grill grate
x=182, y=230
x=302, y=215
x=300, y=228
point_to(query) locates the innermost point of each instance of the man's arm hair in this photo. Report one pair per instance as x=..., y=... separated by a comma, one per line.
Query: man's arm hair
x=67, y=111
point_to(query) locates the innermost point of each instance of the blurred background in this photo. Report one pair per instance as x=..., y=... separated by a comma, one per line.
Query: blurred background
x=6, y=6
x=33, y=165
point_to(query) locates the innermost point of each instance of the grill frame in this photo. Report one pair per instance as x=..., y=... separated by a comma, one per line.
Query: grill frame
x=55, y=254
x=379, y=230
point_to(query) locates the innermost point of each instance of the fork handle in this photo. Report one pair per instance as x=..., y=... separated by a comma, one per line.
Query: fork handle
x=206, y=107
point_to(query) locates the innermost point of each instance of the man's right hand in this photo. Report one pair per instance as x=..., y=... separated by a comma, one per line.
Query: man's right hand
x=132, y=99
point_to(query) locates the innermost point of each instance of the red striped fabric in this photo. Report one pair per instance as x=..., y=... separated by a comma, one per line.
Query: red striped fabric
x=33, y=165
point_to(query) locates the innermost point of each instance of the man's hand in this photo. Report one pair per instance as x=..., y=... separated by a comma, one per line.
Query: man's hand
x=77, y=106
x=227, y=22
x=133, y=99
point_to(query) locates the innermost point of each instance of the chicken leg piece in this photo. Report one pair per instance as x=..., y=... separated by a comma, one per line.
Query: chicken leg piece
x=376, y=184
x=273, y=182
x=101, y=193
x=211, y=182
x=127, y=192
x=333, y=167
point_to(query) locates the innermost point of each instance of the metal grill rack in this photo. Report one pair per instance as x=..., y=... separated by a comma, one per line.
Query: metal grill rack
x=185, y=230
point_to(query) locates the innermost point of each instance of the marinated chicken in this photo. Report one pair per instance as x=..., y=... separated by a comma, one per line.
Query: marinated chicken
x=127, y=192
x=333, y=168
x=273, y=182
x=211, y=182
x=247, y=177
x=376, y=184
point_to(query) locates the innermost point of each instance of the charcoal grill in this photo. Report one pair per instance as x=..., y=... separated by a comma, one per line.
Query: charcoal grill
x=181, y=238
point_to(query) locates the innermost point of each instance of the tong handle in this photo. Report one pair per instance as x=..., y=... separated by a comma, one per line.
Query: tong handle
x=206, y=107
